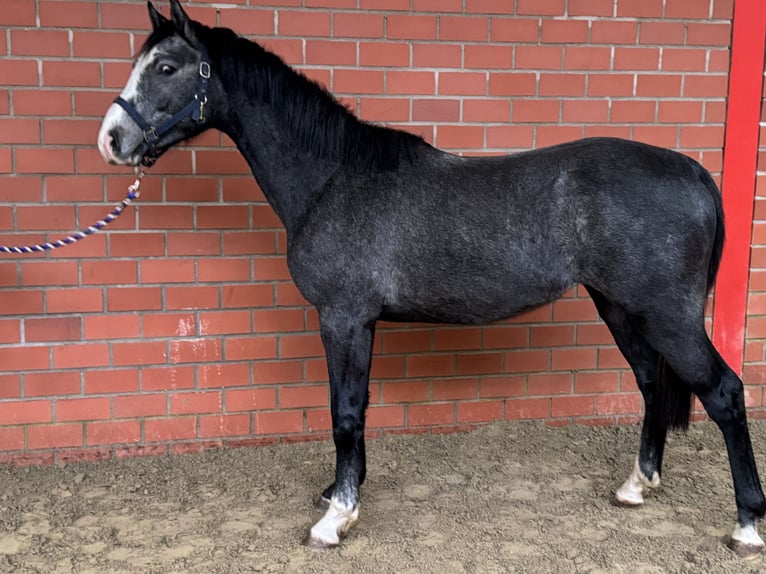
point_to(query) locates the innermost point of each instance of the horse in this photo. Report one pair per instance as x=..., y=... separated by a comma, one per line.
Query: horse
x=383, y=226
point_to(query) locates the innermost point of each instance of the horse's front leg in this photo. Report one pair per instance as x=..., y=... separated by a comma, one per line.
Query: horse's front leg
x=348, y=346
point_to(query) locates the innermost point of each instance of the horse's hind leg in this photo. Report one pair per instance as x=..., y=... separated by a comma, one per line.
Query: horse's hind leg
x=644, y=361
x=691, y=355
x=348, y=346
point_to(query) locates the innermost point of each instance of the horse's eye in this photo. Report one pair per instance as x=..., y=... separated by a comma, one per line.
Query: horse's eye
x=167, y=69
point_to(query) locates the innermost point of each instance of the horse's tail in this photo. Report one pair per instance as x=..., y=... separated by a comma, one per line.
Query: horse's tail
x=672, y=405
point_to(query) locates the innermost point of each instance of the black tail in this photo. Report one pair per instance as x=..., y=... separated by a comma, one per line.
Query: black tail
x=672, y=405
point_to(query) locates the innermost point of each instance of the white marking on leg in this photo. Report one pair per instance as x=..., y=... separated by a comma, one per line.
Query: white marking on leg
x=747, y=535
x=631, y=493
x=336, y=521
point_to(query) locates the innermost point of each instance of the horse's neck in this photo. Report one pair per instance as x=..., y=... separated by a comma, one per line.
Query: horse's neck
x=288, y=174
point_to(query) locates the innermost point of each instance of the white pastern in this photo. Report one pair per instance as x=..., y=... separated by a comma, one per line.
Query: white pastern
x=747, y=535
x=115, y=115
x=631, y=493
x=336, y=521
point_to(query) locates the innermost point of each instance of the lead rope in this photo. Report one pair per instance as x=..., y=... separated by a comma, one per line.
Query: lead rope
x=134, y=191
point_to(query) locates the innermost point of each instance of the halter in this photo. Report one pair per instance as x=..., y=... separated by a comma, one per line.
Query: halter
x=195, y=108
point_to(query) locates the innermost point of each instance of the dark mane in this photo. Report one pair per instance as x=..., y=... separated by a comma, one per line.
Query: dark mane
x=300, y=101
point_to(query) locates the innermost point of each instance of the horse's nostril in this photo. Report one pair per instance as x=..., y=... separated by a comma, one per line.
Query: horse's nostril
x=114, y=141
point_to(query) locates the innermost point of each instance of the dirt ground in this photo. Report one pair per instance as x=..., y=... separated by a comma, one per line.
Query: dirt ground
x=511, y=497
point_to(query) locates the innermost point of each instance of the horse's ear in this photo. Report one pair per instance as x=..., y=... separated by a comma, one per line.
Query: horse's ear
x=155, y=16
x=182, y=21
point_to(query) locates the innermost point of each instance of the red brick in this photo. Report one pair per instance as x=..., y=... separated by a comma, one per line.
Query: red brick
x=405, y=392
x=614, y=32
x=662, y=33
x=541, y=7
x=685, y=9
x=134, y=298
x=381, y=54
x=19, y=72
x=250, y=399
x=463, y=83
x=578, y=111
x=25, y=412
x=587, y=58
x=325, y=52
x=385, y=109
x=174, y=428
x=622, y=403
x=639, y=8
x=410, y=82
x=247, y=348
x=483, y=57
x=573, y=406
x=358, y=25
x=17, y=13
x=386, y=368
x=252, y=22
x=303, y=396
x=515, y=30
x=518, y=137
x=52, y=329
x=512, y=84
x=224, y=425
x=506, y=386
x=200, y=402
x=596, y=382
x=539, y=57
x=111, y=381
x=705, y=86
x=479, y=411
x=195, y=351
x=278, y=422
x=439, y=55
x=390, y=416
x=410, y=27
x=610, y=85
x=273, y=372
x=536, y=111
x=516, y=409
x=486, y=110
x=12, y=438
x=107, y=433
x=55, y=436
x=82, y=409
x=683, y=59
x=454, y=389
x=460, y=136
x=318, y=420
x=463, y=28
x=430, y=414
x=10, y=387
x=566, y=31
x=550, y=384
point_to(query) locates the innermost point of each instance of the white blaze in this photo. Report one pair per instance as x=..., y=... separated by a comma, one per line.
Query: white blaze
x=115, y=115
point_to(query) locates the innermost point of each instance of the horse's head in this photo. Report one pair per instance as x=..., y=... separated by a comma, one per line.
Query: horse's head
x=165, y=99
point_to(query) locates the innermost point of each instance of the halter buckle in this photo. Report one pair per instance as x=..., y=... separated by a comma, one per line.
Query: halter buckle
x=151, y=135
x=204, y=69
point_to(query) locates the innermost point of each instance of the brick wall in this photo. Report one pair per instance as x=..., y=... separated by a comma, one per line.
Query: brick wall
x=755, y=332
x=180, y=328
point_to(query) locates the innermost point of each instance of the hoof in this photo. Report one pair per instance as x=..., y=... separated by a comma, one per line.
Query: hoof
x=745, y=542
x=627, y=502
x=322, y=504
x=745, y=550
x=317, y=544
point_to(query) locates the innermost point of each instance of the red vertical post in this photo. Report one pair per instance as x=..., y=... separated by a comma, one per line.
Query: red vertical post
x=740, y=156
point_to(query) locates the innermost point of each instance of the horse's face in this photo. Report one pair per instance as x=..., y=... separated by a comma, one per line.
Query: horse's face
x=163, y=81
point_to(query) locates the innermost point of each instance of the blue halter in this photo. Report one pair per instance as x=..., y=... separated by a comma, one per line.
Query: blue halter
x=195, y=108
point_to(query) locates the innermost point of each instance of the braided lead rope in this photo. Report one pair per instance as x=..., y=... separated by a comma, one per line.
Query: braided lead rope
x=134, y=191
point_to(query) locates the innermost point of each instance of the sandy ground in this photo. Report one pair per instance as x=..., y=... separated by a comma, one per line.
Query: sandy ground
x=510, y=497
